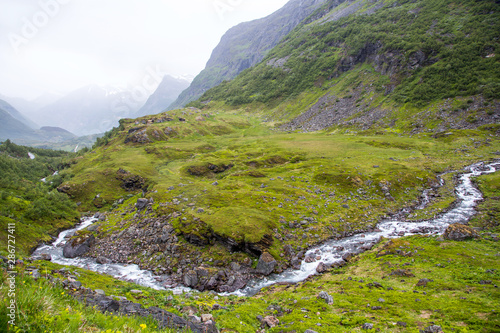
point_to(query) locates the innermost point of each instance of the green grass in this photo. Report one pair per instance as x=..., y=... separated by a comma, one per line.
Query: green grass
x=275, y=179
x=455, y=299
x=489, y=210
x=35, y=208
x=46, y=307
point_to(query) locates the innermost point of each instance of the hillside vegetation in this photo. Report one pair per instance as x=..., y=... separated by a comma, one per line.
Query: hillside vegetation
x=389, y=54
x=34, y=206
x=226, y=184
x=344, y=123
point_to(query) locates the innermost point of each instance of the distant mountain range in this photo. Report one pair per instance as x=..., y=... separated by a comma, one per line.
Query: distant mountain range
x=168, y=90
x=89, y=110
x=14, y=126
x=14, y=113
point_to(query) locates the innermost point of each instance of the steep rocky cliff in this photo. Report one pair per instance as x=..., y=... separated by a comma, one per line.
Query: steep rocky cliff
x=245, y=45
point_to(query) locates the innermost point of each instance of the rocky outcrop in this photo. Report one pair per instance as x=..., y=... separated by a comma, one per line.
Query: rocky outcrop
x=208, y=170
x=174, y=262
x=129, y=181
x=164, y=318
x=459, y=232
x=121, y=306
x=78, y=246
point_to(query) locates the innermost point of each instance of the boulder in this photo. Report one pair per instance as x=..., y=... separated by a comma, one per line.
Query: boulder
x=266, y=264
x=459, y=232
x=191, y=279
x=325, y=296
x=141, y=203
x=432, y=329
x=45, y=256
x=78, y=246
x=423, y=282
x=296, y=263
x=322, y=268
x=103, y=260
x=367, y=326
x=206, y=317
x=271, y=321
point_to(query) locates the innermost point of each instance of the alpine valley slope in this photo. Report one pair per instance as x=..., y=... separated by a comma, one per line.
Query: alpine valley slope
x=224, y=187
x=377, y=107
x=414, y=66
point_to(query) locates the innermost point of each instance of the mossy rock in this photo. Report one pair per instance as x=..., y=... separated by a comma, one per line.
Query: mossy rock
x=460, y=232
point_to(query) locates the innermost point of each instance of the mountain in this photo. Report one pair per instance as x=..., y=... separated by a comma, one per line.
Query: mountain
x=168, y=90
x=411, y=65
x=29, y=108
x=56, y=134
x=245, y=45
x=17, y=115
x=90, y=110
x=19, y=132
x=13, y=129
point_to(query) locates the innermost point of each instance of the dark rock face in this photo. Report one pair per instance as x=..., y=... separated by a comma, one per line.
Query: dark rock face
x=130, y=182
x=245, y=45
x=208, y=170
x=78, y=246
x=459, y=232
x=266, y=264
x=66, y=189
x=165, y=319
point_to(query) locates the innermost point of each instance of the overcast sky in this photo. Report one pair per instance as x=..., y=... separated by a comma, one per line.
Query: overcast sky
x=62, y=45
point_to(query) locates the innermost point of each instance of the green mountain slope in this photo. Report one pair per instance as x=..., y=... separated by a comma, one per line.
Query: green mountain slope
x=245, y=45
x=423, y=53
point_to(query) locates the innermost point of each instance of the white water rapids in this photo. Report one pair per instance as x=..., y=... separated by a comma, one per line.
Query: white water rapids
x=330, y=252
x=130, y=273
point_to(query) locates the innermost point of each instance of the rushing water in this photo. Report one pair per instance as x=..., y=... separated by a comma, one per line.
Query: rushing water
x=124, y=272
x=331, y=252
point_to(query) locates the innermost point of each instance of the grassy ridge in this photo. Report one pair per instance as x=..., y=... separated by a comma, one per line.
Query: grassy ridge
x=232, y=176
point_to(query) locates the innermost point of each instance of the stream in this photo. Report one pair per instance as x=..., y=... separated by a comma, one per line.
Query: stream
x=330, y=252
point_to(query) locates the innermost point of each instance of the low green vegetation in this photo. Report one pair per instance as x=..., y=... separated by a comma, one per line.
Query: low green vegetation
x=43, y=306
x=431, y=55
x=489, y=210
x=33, y=205
x=344, y=123
x=226, y=174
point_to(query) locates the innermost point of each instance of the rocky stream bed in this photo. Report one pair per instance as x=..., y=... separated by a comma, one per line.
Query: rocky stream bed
x=240, y=278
